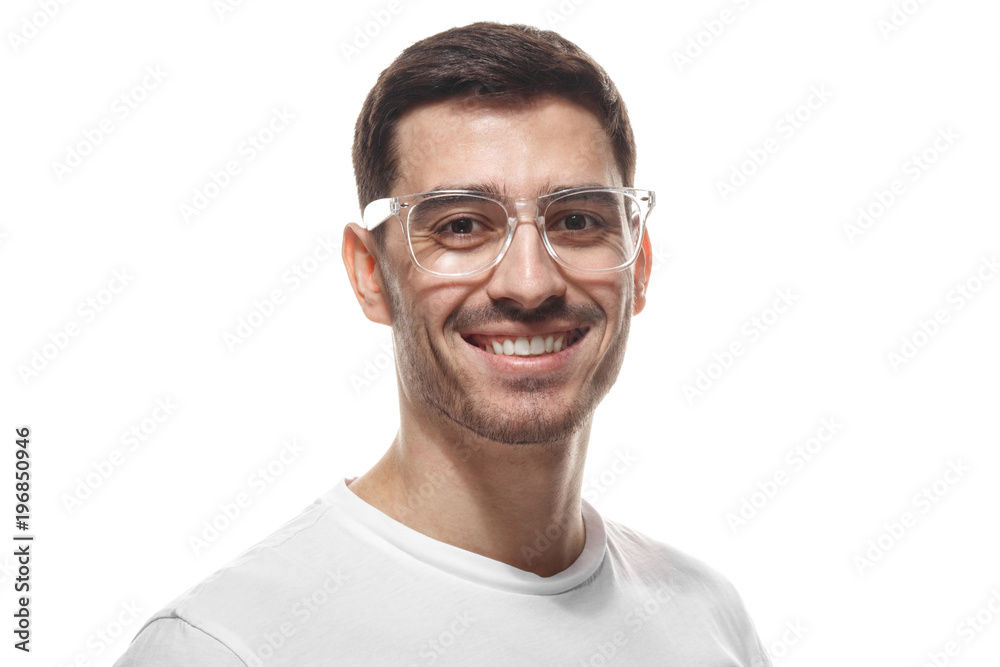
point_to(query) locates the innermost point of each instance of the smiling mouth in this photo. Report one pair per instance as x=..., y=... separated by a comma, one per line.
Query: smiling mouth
x=526, y=346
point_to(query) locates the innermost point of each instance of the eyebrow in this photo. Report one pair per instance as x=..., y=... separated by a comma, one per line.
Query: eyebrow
x=494, y=188
x=488, y=187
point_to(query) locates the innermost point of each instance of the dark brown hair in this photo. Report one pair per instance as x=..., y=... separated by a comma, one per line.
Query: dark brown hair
x=514, y=62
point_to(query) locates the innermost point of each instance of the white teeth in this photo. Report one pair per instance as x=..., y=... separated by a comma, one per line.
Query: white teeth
x=522, y=347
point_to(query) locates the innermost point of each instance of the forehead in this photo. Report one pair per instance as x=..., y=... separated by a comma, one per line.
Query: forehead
x=524, y=147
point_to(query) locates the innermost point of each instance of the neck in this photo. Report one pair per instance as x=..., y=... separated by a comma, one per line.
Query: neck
x=518, y=504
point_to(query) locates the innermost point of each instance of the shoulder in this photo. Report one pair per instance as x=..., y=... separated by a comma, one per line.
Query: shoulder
x=685, y=583
x=644, y=558
x=173, y=642
x=280, y=562
x=223, y=612
x=649, y=557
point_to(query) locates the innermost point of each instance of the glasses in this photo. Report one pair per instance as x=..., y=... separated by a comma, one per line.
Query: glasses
x=463, y=232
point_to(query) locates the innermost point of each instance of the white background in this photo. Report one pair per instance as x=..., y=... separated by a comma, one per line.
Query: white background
x=720, y=262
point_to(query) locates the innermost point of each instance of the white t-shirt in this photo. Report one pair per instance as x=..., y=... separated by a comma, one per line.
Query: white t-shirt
x=345, y=584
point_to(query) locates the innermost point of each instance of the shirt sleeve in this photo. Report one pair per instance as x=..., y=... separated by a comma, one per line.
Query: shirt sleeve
x=173, y=642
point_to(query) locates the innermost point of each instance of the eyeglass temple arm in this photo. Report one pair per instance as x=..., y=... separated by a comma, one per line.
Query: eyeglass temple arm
x=379, y=211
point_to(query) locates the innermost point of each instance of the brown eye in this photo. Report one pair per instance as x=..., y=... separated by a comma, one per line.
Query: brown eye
x=576, y=222
x=461, y=226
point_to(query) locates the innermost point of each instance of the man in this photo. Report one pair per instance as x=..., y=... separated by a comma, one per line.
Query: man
x=505, y=246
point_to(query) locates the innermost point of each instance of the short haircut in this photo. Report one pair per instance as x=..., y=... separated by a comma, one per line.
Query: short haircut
x=495, y=60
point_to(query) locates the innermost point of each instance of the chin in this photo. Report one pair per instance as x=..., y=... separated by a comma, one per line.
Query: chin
x=521, y=420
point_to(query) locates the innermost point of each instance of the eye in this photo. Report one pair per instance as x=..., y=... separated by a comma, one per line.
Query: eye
x=575, y=222
x=460, y=226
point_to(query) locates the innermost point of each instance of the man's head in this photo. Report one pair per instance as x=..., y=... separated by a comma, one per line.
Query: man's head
x=507, y=63
x=519, y=112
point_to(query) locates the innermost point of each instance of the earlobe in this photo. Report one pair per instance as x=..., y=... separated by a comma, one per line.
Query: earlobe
x=643, y=269
x=361, y=262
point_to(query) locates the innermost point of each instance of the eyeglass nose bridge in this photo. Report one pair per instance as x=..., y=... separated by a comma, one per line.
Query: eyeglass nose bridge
x=525, y=209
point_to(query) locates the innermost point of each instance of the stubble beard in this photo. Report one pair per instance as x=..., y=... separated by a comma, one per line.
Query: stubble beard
x=526, y=413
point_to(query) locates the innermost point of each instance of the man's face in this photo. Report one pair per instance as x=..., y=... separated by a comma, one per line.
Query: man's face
x=444, y=328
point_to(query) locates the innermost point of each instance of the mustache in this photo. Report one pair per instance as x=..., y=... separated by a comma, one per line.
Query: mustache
x=503, y=312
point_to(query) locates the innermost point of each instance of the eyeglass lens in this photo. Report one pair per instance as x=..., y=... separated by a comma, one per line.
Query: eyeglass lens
x=462, y=233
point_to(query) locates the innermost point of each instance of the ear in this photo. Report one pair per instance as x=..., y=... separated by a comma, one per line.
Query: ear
x=360, y=260
x=643, y=269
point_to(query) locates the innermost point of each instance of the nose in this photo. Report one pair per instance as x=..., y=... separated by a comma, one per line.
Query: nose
x=526, y=275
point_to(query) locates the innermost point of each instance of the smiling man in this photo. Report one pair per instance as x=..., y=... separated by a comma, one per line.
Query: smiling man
x=503, y=241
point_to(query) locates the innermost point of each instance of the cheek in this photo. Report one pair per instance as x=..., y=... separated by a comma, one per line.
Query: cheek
x=614, y=297
x=431, y=302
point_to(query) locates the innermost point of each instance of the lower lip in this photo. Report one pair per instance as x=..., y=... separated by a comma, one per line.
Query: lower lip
x=541, y=363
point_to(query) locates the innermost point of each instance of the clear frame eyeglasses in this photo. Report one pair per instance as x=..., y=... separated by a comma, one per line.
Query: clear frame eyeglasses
x=460, y=233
